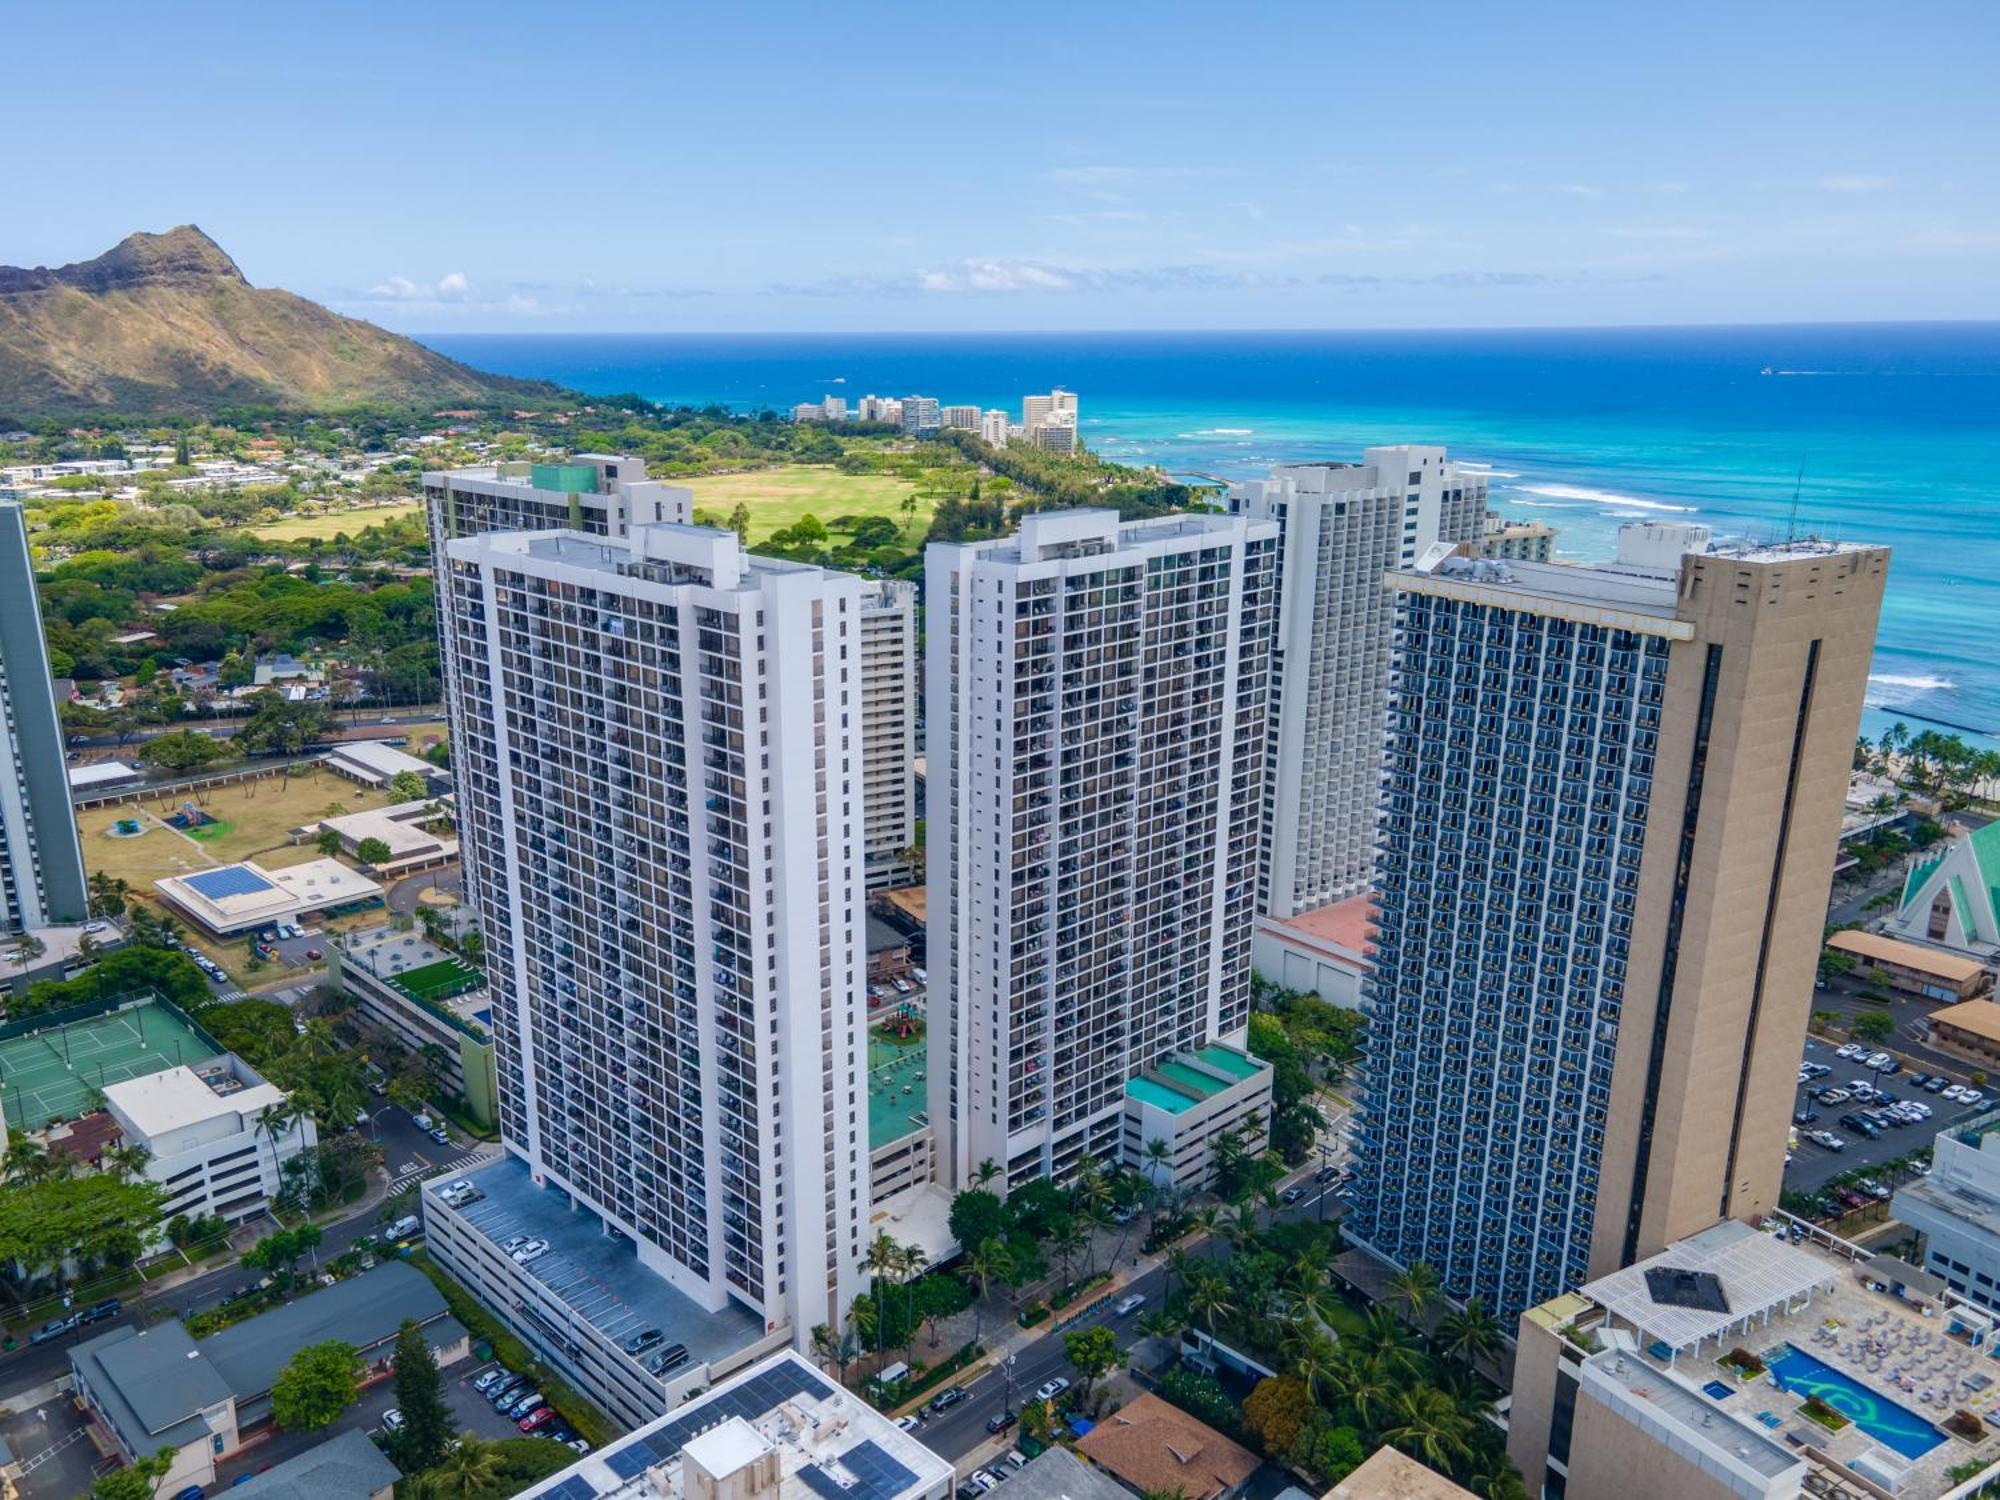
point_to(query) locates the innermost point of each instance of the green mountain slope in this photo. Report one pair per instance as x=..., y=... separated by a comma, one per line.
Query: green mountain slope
x=165, y=323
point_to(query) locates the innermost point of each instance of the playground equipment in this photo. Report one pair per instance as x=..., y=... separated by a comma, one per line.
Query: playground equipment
x=189, y=817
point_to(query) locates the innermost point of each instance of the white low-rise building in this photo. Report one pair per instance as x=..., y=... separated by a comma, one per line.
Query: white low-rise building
x=240, y=898
x=205, y=1130
x=375, y=762
x=1190, y=1101
x=780, y=1431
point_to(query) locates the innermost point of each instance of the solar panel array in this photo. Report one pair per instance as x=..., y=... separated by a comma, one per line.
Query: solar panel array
x=231, y=880
x=750, y=1400
x=576, y=1487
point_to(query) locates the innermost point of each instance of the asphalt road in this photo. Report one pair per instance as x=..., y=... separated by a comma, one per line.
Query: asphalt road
x=362, y=723
x=405, y=1150
x=962, y=1428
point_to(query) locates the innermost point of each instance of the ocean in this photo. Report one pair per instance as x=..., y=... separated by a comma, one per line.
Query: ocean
x=1882, y=433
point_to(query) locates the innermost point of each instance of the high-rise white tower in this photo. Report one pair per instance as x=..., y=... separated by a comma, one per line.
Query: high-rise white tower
x=41, y=863
x=1343, y=526
x=657, y=748
x=889, y=728
x=1095, y=712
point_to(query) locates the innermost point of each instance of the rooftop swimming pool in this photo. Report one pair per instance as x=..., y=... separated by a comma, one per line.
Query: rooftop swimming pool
x=1892, y=1425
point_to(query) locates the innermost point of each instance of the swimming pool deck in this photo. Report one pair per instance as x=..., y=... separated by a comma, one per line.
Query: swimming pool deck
x=1877, y=1341
x=898, y=1093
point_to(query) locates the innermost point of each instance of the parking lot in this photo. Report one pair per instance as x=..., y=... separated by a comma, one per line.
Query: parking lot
x=1813, y=1165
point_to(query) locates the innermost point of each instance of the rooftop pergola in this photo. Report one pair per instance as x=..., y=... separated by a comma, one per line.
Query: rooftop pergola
x=1758, y=1273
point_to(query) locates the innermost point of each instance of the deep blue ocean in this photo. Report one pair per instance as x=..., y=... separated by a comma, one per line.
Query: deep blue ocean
x=1896, y=428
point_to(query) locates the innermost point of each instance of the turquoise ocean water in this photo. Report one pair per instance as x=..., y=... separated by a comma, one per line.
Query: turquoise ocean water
x=1895, y=427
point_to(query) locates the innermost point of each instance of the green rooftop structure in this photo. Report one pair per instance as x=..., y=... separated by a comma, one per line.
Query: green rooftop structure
x=1952, y=899
x=1189, y=1101
x=567, y=479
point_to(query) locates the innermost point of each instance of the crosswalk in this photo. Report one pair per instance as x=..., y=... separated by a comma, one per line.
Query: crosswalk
x=416, y=1172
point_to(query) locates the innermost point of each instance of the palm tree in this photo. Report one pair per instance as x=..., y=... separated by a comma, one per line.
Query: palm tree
x=986, y=1172
x=471, y=1469
x=1068, y=1238
x=1429, y=1427
x=1416, y=1286
x=127, y=1161
x=884, y=1262
x=1178, y=1266
x=1160, y=1324
x=1389, y=1339
x=25, y=948
x=1363, y=1383
x=825, y=1346
x=980, y=1268
x=1315, y=1359
x=1208, y=1299
x=1471, y=1333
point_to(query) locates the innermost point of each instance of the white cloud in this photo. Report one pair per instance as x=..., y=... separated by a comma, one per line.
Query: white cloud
x=1857, y=183
x=453, y=286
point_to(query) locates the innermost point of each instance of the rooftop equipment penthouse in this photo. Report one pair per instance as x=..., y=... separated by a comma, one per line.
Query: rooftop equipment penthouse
x=781, y=1431
x=597, y=493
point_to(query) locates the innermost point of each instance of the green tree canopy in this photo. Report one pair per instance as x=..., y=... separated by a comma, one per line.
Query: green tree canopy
x=427, y=1424
x=320, y=1383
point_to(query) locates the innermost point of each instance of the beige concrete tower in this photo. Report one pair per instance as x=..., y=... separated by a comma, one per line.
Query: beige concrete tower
x=1756, y=742
x=1611, y=799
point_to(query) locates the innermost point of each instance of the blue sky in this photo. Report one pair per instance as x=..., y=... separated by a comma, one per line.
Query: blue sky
x=593, y=166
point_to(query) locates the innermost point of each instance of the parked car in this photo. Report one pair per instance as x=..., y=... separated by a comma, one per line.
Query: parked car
x=1048, y=1390
x=1937, y=1085
x=1850, y=1050
x=404, y=1227
x=644, y=1339
x=520, y=1406
x=667, y=1360
x=541, y=1416
x=1326, y=1174
x=1971, y=1100
x=985, y=1482
x=393, y=1420
x=1003, y=1422
x=1885, y=1068
x=55, y=1328
x=491, y=1378
x=946, y=1399
x=1955, y=1091
x=576, y=1445
x=1804, y=1116
x=910, y=1422
x=529, y=1250
x=440, y=1135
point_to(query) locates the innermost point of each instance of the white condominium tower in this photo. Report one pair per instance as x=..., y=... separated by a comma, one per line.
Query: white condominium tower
x=657, y=749
x=889, y=728
x=600, y=493
x=1343, y=526
x=41, y=863
x=1095, y=724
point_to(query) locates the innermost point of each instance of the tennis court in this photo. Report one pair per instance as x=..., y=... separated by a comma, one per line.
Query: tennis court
x=49, y=1074
x=437, y=982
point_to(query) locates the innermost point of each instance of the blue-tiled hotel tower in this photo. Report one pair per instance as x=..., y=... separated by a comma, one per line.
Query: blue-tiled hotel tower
x=1609, y=807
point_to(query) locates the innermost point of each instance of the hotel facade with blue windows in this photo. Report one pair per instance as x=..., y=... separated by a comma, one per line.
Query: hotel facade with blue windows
x=1610, y=802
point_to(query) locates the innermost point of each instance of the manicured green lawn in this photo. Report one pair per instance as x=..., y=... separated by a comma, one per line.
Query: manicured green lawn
x=778, y=497
x=332, y=524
